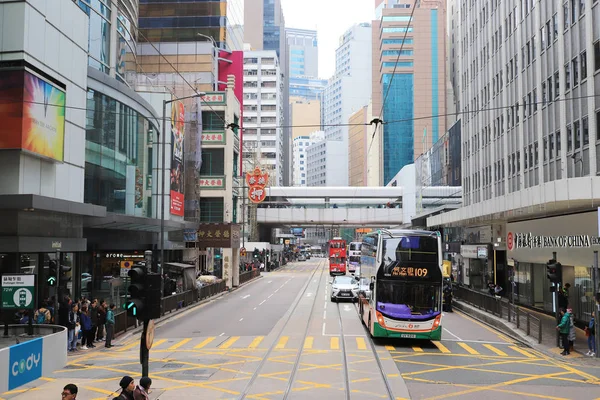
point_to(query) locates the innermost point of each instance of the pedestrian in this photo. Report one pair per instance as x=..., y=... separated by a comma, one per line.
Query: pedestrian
x=63, y=311
x=563, y=328
x=572, y=331
x=110, y=325
x=42, y=315
x=72, y=325
x=94, y=319
x=563, y=296
x=86, y=329
x=69, y=392
x=143, y=389
x=590, y=332
x=101, y=320
x=127, y=385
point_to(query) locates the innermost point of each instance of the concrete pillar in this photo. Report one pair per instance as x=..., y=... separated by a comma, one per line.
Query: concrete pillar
x=235, y=267
x=227, y=267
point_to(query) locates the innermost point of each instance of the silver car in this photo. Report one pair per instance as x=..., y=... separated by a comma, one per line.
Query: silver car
x=344, y=287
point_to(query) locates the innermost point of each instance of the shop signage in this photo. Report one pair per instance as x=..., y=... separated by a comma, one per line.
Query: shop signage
x=56, y=245
x=482, y=252
x=177, y=137
x=18, y=291
x=257, y=181
x=123, y=255
x=211, y=138
x=516, y=241
x=212, y=183
x=468, y=251
x=25, y=362
x=213, y=98
x=225, y=236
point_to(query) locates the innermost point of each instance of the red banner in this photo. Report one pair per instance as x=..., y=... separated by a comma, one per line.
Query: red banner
x=176, y=203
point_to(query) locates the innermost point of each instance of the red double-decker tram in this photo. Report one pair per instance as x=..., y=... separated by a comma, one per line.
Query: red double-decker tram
x=337, y=256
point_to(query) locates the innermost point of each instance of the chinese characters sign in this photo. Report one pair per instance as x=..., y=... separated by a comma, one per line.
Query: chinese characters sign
x=177, y=132
x=257, y=180
x=409, y=272
x=214, y=98
x=212, y=182
x=219, y=236
x=213, y=138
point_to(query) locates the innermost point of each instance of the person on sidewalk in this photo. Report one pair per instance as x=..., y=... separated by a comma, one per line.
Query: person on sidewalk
x=69, y=392
x=590, y=332
x=572, y=331
x=42, y=315
x=102, y=308
x=94, y=318
x=110, y=326
x=563, y=328
x=127, y=385
x=141, y=391
x=86, y=328
x=72, y=325
x=563, y=296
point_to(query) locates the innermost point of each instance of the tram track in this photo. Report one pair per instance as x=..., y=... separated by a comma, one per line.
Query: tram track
x=261, y=365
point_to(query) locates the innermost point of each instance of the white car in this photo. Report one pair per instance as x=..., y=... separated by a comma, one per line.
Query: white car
x=356, y=272
x=344, y=287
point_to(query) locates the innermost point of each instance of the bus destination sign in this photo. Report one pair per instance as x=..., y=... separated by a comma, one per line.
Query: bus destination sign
x=409, y=272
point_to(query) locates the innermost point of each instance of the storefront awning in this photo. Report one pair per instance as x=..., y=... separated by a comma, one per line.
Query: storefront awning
x=34, y=202
x=131, y=223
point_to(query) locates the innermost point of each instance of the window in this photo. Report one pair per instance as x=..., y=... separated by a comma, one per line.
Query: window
x=575, y=71
x=543, y=94
x=577, y=132
x=213, y=162
x=556, y=86
x=550, y=98
x=535, y=100
x=597, y=125
x=555, y=23
x=211, y=209
x=558, y=144
x=583, y=64
x=597, y=56
x=567, y=77
x=543, y=38
x=551, y=146
x=586, y=131
x=546, y=148
x=569, y=139
x=566, y=14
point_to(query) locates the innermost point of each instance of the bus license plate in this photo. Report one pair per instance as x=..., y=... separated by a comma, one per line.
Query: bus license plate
x=408, y=336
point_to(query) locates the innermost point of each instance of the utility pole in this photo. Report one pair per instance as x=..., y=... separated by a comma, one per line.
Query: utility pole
x=596, y=310
x=556, y=307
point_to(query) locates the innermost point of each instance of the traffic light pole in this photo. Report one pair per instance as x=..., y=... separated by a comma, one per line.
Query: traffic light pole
x=556, y=307
x=596, y=309
x=144, y=353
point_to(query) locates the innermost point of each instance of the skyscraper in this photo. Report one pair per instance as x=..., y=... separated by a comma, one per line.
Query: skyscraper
x=303, y=52
x=409, y=70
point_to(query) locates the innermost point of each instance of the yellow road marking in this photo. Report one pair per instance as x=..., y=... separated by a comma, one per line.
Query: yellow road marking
x=501, y=336
x=335, y=343
x=204, y=342
x=308, y=342
x=158, y=343
x=282, y=342
x=227, y=344
x=525, y=353
x=129, y=346
x=441, y=347
x=417, y=349
x=390, y=348
x=360, y=342
x=468, y=348
x=256, y=342
x=103, y=391
x=179, y=344
x=495, y=350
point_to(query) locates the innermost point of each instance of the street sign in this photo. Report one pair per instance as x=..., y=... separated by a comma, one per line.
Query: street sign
x=18, y=291
x=125, y=267
x=150, y=334
x=243, y=252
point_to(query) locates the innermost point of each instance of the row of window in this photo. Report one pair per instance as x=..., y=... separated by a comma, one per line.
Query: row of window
x=254, y=84
x=263, y=96
x=266, y=107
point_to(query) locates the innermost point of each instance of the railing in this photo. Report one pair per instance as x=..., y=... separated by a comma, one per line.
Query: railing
x=246, y=276
x=495, y=305
x=172, y=303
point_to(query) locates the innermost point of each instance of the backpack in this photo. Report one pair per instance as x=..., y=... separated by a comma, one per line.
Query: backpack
x=41, y=317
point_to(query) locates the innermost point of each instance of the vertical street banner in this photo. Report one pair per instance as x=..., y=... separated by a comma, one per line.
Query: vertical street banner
x=177, y=135
x=198, y=143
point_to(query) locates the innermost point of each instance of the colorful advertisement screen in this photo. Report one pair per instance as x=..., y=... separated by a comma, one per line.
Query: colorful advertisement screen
x=32, y=112
x=177, y=132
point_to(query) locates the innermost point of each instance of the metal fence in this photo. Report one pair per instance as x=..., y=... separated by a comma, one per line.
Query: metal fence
x=172, y=303
x=501, y=308
x=246, y=276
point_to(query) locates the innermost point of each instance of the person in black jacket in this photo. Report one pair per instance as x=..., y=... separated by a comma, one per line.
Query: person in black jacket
x=63, y=311
x=101, y=320
x=94, y=318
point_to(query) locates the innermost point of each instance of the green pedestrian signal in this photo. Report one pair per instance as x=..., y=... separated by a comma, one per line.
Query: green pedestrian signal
x=51, y=281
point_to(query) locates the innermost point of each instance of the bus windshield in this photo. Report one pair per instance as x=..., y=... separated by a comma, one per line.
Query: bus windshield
x=413, y=249
x=355, y=246
x=408, y=300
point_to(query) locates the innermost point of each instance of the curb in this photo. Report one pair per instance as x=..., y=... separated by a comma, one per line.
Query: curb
x=126, y=335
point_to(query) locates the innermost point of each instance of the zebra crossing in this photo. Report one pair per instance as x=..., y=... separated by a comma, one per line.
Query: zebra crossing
x=332, y=343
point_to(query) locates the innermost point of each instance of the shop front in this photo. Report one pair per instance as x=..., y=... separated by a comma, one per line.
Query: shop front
x=531, y=244
x=475, y=270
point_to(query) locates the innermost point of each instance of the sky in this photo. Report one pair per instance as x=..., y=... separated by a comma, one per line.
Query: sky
x=331, y=18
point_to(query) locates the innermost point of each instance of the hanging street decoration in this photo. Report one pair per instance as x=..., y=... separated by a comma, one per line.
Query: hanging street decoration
x=257, y=181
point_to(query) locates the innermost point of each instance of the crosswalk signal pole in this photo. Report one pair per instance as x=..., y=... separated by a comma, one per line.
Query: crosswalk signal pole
x=556, y=305
x=596, y=310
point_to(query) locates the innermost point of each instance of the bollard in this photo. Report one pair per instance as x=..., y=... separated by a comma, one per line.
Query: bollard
x=528, y=324
x=540, y=331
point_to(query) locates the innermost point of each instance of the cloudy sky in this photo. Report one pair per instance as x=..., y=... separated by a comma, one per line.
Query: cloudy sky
x=331, y=18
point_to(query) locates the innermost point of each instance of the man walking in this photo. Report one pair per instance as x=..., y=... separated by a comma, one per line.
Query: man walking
x=94, y=318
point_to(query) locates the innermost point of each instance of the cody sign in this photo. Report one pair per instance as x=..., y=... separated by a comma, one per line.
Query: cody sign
x=25, y=363
x=516, y=241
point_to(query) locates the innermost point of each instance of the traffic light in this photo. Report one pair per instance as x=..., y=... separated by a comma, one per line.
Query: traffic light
x=153, y=301
x=137, y=286
x=256, y=253
x=52, y=278
x=554, y=271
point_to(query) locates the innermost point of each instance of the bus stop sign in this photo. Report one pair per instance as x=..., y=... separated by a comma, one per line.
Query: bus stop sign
x=18, y=291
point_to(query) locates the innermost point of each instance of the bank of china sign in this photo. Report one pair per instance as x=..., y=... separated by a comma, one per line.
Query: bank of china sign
x=516, y=241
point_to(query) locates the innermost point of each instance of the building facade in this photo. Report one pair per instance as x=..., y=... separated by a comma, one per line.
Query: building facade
x=360, y=135
x=263, y=114
x=321, y=156
x=305, y=116
x=409, y=78
x=303, y=52
x=301, y=143
x=530, y=139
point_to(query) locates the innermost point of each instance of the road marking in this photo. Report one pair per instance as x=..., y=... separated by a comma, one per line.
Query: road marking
x=360, y=342
x=222, y=334
x=271, y=295
x=256, y=342
x=390, y=348
x=308, y=342
x=495, y=350
x=129, y=346
x=334, y=343
x=468, y=348
x=441, y=347
x=227, y=344
x=308, y=294
x=325, y=314
x=241, y=319
x=417, y=349
x=518, y=350
x=178, y=345
x=255, y=308
x=324, y=329
x=262, y=302
x=452, y=334
x=158, y=343
x=204, y=342
x=282, y=342
x=347, y=307
x=246, y=296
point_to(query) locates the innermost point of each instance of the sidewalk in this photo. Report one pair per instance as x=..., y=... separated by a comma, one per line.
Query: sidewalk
x=548, y=344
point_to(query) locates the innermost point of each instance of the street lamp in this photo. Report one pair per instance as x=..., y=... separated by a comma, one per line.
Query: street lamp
x=162, y=201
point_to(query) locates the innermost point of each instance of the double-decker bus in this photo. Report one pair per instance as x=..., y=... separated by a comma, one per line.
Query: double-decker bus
x=337, y=256
x=353, y=256
x=403, y=269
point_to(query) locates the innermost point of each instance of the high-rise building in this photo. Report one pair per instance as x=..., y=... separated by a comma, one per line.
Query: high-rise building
x=323, y=159
x=169, y=21
x=307, y=88
x=348, y=90
x=363, y=143
x=264, y=29
x=409, y=72
x=305, y=116
x=301, y=143
x=303, y=52
x=263, y=114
